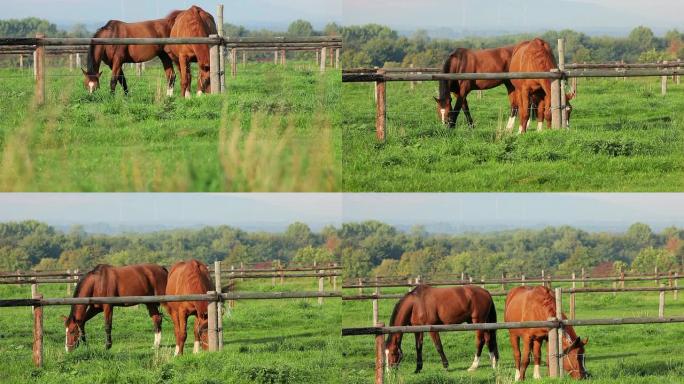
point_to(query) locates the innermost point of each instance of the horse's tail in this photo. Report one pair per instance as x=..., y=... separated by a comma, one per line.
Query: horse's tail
x=492, y=345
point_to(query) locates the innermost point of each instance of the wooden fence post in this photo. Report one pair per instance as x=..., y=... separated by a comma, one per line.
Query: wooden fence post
x=231, y=303
x=553, y=350
x=38, y=333
x=323, y=59
x=572, y=299
x=413, y=83
x=360, y=286
x=318, y=60
x=321, y=286
x=222, y=50
x=219, y=305
x=68, y=286
x=233, y=62
x=334, y=281
x=503, y=282
x=40, y=71
x=379, y=356
x=212, y=324
x=676, y=286
x=561, y=67
x=275, y=57
x=71, y=62
x=283, y=57
x=215, y=67
x=381, y=107
x=35, y=69
x=375, y=306
x=138, y=69
x=622, y=279
x=78, y=60
x=657, y=276
x=556, y=115
x=522, y=280
x=663, y=83
x=584, y=282
x=244, y=59
x=661, y=302
x=337, y=59
x=559, y=315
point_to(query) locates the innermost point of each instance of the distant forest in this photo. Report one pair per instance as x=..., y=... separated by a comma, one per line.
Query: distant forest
x=377, y=45
x=364, y=249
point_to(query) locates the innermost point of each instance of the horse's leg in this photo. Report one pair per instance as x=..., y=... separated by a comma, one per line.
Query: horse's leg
x=108, y=310
x=419, y=351
x=527, y=343
x=186, y=76
x=170, y=73
x=153, y=310
x=124, y=84
x=536, y=352
x=453, y=115
x=479, y=343
x=116, y=71
x=489, y=338
x=438, y=344
x=524, y=109
x=182, y=331
x=466, y=111
x=176, y=330
x=513, y=101
x=540, y=115
x=515, y=343
x=196, y=344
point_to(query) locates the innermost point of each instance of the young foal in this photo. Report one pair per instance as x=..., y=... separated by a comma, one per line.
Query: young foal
x=194, y=22
x=538, y=304
x=108, y=281
x=425, y=305
x=189, y=278
x=116, y=55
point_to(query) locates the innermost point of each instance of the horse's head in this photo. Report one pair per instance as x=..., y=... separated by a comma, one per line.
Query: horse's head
x=204, y=79
x=74, y=333
x=573, y=358
x=203, y=330
x=443, y=109
x=91, y=80
x=393, y=353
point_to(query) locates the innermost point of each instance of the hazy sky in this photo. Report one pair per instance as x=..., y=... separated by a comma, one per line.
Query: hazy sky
x=278, y=12
x=528, y=15
x=481, y=209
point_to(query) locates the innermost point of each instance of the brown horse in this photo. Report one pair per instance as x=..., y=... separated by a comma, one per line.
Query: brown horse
x=116, y=55
x=465, y=60
x=108, y=281
x=189, y=278
x=538, y=304
x=426, y=305
x=534, y=56
x=194, y=22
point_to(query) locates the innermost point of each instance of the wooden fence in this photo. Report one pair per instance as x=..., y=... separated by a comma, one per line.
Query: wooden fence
x=558, y=103
x=554, y=324
x=215, y=299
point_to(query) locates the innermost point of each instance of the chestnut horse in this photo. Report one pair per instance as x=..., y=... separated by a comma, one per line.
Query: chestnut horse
x=194, y=22
x=116, y=55
x=426, y=305
x=108, y=281
x=189, y=278
x=465, y=60
x=539, y=304
x=534, y=56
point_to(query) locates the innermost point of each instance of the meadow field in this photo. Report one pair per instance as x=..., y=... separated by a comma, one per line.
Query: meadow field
x=633, y=354
x=273, y=131
x=624, y=137
x=265, y=341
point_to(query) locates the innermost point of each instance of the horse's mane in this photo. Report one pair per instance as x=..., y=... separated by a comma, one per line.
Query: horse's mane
x=86, y=278
x=91, y=48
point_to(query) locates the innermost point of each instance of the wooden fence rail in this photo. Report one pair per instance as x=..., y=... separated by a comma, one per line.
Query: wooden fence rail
x=554, y=324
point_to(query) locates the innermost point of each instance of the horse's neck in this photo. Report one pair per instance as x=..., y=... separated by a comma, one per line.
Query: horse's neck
x=78, y=310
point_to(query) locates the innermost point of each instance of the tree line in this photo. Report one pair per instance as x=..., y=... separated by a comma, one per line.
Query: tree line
x=368, y=248
x=378, y=45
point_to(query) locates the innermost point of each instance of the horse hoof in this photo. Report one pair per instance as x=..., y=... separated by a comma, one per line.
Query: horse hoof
x=471, y=369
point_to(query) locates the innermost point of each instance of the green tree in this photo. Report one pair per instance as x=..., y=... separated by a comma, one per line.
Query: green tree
x=649, y=258
x=301, y=28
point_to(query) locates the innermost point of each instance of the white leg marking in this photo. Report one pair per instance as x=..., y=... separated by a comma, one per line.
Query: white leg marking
x=177, y=351
x=196, y=347
x=386, y=360
x=199, y=93
x=520, y=130
x=540, y=126
x=66, y=339
x=476, y=363
x=491, y=356
x=169, y=91
x=517, y=375
x=537, y=374
x=157, y=339
x=511, y=123
x=187, y=94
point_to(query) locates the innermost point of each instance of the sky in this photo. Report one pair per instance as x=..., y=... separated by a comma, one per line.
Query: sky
x=243, y=12
x=516, y=15
x=276, y=211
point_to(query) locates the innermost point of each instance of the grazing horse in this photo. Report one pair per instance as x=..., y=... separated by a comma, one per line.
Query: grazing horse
x=108, y=281
x=194, y=22
x=534, y=56
x=426, y=305
x=465, y=60
x=116, y=55
x=538, y=304
x=189, y=278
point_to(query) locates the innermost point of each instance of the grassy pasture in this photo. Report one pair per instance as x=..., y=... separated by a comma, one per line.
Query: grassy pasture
x=273, y=131
x=624, y=137
x=615, y=354
x=265, y=341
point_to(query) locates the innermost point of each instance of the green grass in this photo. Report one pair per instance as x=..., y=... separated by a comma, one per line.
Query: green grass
x=265, y=341
x=614, y=355
x=624, y=137
x=273, y=131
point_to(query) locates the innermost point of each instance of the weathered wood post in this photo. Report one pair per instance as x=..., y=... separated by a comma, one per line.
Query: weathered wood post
x=68, y=285
x=332, y=56
x=321, y=286
x=231, y=303
x=572, y=298
x=553, y=350
x=503, y=282
x=584, y=281
x=219, y=305
x=233, y=62
x=334, y=280
x=76, y=277
x=138, y=69
x=381, y=106
x=337, y=59
x=78, y=60
x=35, y=69
x=71, y=62
x=556, y=115
x=622, y=279
x=21, y=61
x=663, y=83
x=323, y=59
x=561, y=67
x=661, y=302
x=676, y=286
x=215, y=66
x=318, y=60
x=375, y=305
x=574, y=86
x=360, y=282
x=543, y=278
x=413, y=83
x=522, y=280
x=283, y=57
x=212, y=324
x=222, y=50
x=657, y=276
x=275, y=273
x=275, y=57
x=40, y=70
x=379, y=356
x=559, y=331
x=244, y=59
x=38, y=333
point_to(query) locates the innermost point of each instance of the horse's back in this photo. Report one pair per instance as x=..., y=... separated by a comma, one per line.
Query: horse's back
x=453, y=305
x=529, y=304
x=188, y=278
